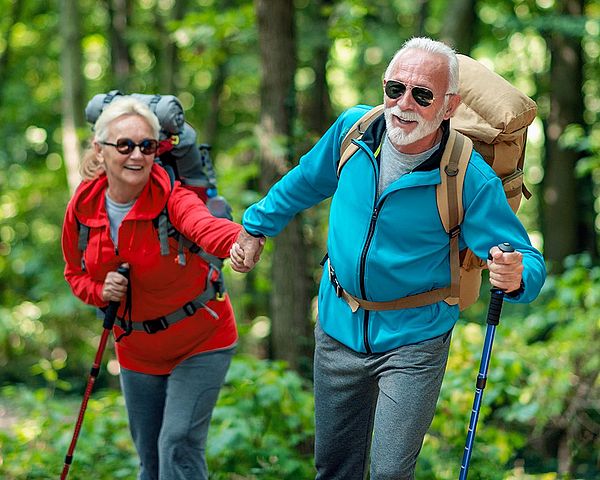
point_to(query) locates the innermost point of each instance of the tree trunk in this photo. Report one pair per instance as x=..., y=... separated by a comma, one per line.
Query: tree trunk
x=290, y=281
x=167, y=51
x=562, y=209
x=317, y=112
x=423, y=13
x=119, y=11
x=72, y=95
x=458, y=28
x=211, y=124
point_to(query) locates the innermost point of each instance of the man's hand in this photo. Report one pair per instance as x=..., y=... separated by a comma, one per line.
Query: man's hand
x=506, y=269
x=245, y=252
x=115, y=286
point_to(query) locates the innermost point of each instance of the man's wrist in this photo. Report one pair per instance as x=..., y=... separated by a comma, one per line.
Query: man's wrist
x=255, y=235
x=517, y=292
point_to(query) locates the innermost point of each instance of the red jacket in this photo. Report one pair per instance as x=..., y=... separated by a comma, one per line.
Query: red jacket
x=159, y=285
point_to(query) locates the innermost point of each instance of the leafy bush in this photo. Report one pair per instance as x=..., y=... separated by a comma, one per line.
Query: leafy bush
x=261, y=429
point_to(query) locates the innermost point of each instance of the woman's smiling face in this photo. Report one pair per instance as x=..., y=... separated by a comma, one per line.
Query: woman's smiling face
x=127, y=173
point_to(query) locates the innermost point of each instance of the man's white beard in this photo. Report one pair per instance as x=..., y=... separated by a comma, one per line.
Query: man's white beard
x=423, y=128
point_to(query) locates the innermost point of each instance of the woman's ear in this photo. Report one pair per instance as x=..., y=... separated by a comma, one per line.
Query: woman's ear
x=98, y=151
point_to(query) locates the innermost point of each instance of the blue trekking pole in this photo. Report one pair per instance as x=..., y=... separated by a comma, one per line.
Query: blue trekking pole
x=493, y=319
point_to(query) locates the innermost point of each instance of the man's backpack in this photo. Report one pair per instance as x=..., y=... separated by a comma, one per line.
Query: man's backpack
x=492, y=118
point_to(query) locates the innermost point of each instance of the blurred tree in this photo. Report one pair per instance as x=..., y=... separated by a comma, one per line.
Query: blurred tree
x=566, y=222
x=72, y=89
x=290, y=278
x=167, y=56
x=315, y=106
x=11, y=18
x=458, y=28
x=119, y=14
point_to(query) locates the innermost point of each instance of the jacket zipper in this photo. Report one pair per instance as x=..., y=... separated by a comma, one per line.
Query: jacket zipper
x=363, y=257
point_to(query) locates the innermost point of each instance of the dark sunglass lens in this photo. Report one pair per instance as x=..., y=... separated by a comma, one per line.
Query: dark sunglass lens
x=422, y=96
x=394, y=89
x=125, y=145
x=148, y=147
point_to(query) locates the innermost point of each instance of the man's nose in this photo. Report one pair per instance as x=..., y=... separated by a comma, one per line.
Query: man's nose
x=406, y=101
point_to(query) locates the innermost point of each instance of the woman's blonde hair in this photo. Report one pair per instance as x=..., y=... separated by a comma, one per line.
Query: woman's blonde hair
x=90, y=166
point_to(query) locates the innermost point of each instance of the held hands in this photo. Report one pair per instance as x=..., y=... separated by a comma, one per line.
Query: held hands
x=506, y=269
x=115, y=286
x=246, y=251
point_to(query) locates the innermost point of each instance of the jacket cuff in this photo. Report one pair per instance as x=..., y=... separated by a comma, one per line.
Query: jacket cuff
x=516, y=293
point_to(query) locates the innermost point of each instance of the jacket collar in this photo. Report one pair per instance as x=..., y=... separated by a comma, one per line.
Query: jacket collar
x=90, y=205
x=373, y=137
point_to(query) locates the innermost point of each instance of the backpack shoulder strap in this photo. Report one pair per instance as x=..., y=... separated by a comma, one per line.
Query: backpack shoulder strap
x=161, y=222
x=347, y=148
x=82, y=242
x=453, y=167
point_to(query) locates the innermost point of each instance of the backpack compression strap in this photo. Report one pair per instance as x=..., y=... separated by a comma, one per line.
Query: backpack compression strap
x=347, y=147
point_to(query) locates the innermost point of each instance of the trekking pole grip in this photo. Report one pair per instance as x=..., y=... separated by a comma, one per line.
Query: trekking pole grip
x=110, y=315
x=497, y=297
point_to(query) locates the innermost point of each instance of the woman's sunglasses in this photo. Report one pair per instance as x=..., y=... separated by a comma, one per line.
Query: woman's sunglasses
x=125, y=146
x=423, y=96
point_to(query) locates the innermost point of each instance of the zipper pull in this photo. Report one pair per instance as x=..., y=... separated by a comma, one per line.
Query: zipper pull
x=375, y=213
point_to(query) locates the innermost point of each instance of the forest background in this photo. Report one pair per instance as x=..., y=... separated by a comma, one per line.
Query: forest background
x=261, y=81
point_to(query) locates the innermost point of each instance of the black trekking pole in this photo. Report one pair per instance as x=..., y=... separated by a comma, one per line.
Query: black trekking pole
x=493, y=319
x=110, y=316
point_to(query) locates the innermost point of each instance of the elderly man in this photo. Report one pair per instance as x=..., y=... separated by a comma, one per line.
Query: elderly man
x=378, y=373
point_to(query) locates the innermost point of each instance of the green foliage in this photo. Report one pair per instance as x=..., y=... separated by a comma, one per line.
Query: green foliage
x=34, y=447
x=543, y=385
x=261, y=429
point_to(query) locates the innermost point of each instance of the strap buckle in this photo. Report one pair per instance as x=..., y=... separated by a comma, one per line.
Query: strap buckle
x=215, y=276
x=189, y=309
x=334, y=281
x=156, y=325
x=454, y=231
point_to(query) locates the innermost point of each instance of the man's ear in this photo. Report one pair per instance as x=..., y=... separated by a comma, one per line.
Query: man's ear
x=453, y=104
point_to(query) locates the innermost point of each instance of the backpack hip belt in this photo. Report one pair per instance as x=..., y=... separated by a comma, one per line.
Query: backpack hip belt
x=154, y=325
x=411, y=301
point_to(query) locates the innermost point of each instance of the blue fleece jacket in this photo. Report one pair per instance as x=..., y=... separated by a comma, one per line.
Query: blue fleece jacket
x=392, y=246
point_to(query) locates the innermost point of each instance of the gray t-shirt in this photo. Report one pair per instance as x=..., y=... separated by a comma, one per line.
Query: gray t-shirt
x=394, y=164
x=116, y=213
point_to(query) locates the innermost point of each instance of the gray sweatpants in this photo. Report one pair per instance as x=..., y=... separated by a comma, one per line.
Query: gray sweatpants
x=169, y=415
x=380, y=403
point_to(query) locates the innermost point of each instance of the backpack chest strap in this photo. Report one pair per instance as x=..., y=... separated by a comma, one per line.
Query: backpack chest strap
x=190, y=308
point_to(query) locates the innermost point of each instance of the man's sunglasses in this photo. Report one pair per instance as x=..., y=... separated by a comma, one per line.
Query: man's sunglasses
x=423, y=96
x=125, y=146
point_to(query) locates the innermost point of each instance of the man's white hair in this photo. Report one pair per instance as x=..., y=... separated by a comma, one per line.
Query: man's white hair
x=430, y=46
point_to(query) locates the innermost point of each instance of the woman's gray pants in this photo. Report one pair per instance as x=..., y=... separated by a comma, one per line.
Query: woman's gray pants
x=169, y=415
x=380, y=403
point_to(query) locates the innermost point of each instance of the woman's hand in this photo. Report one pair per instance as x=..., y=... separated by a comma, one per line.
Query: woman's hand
x=115, y=286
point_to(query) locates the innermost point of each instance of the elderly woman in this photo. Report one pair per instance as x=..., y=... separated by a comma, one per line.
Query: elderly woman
x=173, y=355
